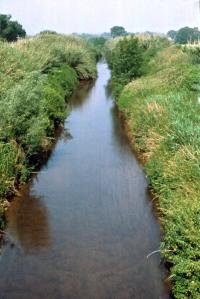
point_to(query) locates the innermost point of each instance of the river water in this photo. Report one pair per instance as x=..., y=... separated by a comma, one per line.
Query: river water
x=82, y=228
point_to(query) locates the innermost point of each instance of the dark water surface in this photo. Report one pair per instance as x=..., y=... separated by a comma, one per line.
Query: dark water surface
x=84, y=226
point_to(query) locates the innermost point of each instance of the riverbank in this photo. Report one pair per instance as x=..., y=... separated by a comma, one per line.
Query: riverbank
x=84, y=226
x=37, y=77
x=162, y=111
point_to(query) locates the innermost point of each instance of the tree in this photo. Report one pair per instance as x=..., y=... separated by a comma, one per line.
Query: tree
x=118, y=31
x=172, y=34
x=127, y=59
x=47, y=32
x=186, y=35
x=10, y=30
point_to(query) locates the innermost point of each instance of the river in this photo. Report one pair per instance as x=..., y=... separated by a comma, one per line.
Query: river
x=84, y=225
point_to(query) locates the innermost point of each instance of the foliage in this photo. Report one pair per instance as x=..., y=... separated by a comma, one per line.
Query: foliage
x=10, y=30
x=51, y=50
x=163, y=114
x=172, y=34
x=98, y=44
x=37, y=77
x=187, y=35
x=117, y=31
x=128, y=58
x=47, y=32
x=194, y=52
x=125, y=61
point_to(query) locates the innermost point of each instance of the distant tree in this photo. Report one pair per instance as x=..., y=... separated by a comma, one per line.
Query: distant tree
x=186, y=35
x=172, y=34
x=10, y=30
x=118, y=31
x=106, y=35
x=47, y=32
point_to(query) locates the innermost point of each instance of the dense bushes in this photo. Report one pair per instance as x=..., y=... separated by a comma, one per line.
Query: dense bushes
x=128, y=58
x=37, y=76
x=97, y=44
x=125, y=61
x=163, y=115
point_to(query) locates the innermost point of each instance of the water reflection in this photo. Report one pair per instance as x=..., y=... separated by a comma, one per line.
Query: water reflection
x=28, y=223
x=118, y=129
x=81, y=95
x=108, y=90
x=66, y=135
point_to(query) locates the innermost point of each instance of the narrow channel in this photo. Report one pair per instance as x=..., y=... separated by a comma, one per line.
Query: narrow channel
x=83, y=227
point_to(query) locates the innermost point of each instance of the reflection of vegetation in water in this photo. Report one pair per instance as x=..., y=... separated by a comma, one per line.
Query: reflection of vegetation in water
x=163, y=116
x=28, y=221
x=81, y=94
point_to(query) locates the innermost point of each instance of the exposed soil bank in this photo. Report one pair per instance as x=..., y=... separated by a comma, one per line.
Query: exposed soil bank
x=84, y=226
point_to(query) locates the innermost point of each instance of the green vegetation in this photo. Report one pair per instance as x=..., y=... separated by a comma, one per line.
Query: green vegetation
x=118, y=31
x=128, y=58
x=97, y=44
x=37, y=76
x=172, y=34
x=126, y=62
x=185, y=35
x=163, y=115
x=10, y=30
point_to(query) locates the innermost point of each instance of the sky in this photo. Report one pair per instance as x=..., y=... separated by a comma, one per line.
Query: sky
x=97, y=16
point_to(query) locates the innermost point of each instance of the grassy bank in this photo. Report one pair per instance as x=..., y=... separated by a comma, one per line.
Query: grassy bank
x=163, y=114
x=37, y=76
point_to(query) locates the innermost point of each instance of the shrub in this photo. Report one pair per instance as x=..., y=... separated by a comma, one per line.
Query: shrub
x=126, y=59
x=37, y=77
x=129, y=58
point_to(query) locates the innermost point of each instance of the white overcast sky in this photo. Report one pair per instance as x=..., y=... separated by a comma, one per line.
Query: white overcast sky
x=96, y=16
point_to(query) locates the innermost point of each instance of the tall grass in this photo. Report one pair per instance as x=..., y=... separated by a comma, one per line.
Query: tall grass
x=37, y=76
x=163, y=114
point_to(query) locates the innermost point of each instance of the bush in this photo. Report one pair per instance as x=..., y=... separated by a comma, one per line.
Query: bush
x=37, y=77
x=126, y=61
x=128, y=58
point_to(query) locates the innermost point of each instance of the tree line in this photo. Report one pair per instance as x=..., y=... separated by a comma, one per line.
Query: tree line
x=10, y=30
x=185, y=35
